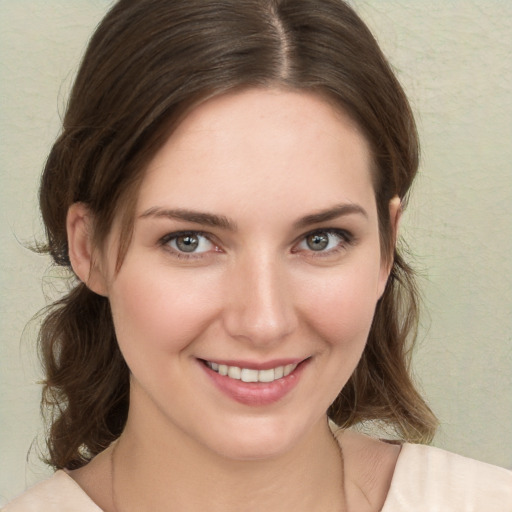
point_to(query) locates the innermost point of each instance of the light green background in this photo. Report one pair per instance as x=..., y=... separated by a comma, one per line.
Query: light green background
x=455, y=61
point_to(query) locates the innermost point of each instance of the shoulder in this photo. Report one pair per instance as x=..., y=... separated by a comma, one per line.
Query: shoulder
x=428, y=478
x=57, y=494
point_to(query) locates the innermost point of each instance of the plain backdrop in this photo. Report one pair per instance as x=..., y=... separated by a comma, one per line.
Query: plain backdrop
x=454, y=59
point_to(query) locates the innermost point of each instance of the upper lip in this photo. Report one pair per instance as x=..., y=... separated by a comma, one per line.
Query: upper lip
x=255, y=365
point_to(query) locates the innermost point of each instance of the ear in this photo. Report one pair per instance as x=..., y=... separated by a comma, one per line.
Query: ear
x=395, y=215
x=79, y=226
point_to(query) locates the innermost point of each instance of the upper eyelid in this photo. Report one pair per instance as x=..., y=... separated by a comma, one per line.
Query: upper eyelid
x=327, y=230
x=175, y=234
x=345, y=233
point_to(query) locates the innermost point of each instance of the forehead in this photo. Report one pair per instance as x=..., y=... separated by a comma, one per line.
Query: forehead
x=258, y=149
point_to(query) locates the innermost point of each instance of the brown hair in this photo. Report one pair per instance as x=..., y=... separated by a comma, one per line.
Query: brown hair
x=147, y=64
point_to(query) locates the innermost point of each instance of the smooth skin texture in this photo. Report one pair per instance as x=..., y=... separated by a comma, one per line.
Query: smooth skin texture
x=255, y=239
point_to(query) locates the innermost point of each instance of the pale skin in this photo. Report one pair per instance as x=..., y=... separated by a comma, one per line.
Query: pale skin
x=254, y=179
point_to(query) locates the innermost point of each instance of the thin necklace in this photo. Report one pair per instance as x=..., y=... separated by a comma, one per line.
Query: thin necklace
x=342, y=464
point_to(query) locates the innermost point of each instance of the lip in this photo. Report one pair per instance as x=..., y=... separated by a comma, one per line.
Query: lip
x=256, y=393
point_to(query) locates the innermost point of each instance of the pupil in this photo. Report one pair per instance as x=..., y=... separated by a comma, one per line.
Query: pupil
x=187, y=243
x=317, y=242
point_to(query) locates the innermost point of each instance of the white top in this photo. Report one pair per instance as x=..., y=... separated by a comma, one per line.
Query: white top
x=426, y=479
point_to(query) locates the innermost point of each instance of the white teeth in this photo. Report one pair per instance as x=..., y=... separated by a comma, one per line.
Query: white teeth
x=289, y=369
x=266, y=375
x=251, y=375
x=234, y=372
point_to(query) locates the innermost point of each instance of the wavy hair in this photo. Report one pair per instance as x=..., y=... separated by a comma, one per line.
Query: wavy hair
x=148, y=63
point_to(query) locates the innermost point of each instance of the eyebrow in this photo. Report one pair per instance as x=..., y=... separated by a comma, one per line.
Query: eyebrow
x=220, y=221
x=330, y=214
x=206, y=219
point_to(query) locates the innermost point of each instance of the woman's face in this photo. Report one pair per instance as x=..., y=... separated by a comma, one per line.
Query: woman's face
x=255, y=253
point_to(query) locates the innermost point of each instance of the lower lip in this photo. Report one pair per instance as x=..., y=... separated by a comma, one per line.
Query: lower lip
x=256, y=393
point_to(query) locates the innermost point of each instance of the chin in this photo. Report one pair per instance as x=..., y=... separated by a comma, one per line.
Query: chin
x=258, y=439
x=250, y=449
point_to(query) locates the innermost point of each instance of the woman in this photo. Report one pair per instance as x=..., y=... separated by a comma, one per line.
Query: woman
x=227, y=189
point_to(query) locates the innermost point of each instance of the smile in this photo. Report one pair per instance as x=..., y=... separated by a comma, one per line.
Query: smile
x=252, y=375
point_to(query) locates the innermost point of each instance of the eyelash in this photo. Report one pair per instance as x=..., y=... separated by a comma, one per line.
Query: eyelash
x=345, y=239
x=165, y=240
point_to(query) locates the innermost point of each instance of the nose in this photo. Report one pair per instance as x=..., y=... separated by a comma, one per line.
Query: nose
x=258, y=302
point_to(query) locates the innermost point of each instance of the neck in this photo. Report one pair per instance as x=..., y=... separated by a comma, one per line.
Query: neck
x=149, y=475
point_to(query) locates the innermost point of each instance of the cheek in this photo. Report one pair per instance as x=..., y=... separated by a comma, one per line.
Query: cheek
x=159, y=313
x=340, y=306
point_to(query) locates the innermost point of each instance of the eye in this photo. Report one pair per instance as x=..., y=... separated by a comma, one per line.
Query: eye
x=325, y=241
x=190, y=242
